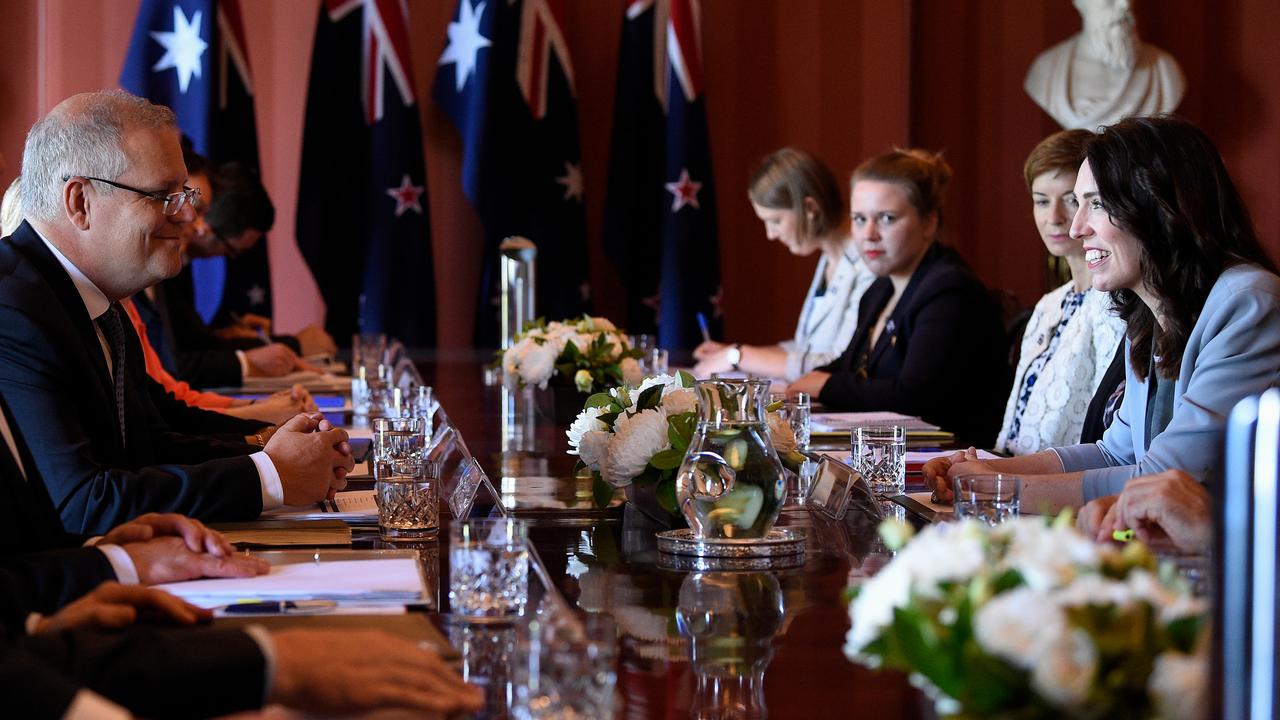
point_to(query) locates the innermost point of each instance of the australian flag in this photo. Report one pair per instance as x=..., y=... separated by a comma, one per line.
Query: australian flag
x=660, y=211
x=191, y=56
x=363, y=223
x=505, y=79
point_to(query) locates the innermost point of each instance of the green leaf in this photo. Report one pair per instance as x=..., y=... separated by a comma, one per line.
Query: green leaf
x=667, y=496
x=601, y=491
x=686, y=379
x=650, y=398
x=915, y=640
x=667, y=459
x=678, y=440
x=600, y=399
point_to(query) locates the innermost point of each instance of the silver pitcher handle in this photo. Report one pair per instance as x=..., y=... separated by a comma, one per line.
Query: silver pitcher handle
x=710, y=486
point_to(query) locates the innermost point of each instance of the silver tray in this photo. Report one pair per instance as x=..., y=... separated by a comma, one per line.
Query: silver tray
x=778, y=542
x=693, y=563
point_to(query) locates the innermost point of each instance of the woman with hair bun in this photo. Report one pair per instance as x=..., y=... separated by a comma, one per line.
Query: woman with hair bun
x=928, y=332
x=1167, y=234
x=1072, y=336
x=799, y=202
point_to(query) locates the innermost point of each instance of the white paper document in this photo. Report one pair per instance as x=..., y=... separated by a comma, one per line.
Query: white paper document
x=387, y=579
x=846, y=421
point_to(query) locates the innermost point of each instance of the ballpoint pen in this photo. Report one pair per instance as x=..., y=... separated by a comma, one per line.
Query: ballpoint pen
x=702, y=325
x=280, y=607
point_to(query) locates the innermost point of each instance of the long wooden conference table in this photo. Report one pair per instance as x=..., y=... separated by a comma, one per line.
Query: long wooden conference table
x=746, y=644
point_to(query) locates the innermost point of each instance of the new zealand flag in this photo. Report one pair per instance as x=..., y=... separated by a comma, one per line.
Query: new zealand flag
x=363, y=222
x=191, y=56
x=505, y=79
x=660, y=212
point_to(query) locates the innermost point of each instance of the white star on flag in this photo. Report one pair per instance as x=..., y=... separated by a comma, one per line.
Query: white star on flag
x=465, y=42
x=182, y=47
x=257, y=295
x=407, y=196
x=684, y=191
x=572, y=181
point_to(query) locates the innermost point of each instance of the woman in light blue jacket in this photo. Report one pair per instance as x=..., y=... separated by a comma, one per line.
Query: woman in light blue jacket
x=801, y=206
x=1164, y=231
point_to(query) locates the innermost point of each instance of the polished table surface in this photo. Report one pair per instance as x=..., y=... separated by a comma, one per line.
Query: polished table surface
x=770, y=642
x=693, y=644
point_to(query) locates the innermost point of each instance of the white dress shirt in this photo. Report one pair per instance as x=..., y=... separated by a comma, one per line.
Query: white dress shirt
x=827, y=321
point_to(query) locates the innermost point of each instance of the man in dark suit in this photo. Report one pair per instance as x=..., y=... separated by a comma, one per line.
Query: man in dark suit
x=104, y=202
x=57, y=598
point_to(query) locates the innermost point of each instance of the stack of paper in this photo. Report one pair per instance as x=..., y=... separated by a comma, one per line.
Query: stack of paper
x=393, y=580
x=842, y=423
x=313, y=381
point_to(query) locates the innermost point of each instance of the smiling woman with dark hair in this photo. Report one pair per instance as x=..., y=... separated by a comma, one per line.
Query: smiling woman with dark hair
x=1166, y=233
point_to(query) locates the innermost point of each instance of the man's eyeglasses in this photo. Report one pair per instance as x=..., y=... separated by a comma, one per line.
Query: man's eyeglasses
x=173, y=202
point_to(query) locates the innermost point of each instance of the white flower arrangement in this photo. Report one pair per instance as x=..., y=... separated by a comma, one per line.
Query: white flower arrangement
x=590, y=352
x=639, y=434
x=1032, y=617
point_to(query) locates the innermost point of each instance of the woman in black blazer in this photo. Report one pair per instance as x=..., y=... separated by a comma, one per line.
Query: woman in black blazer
x=928, y=331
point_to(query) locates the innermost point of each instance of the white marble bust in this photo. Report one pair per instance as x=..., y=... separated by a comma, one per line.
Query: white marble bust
x=1104, y=72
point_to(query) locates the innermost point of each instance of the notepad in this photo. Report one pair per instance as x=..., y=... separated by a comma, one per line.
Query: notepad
x=353, y=506
x=282, y=533
x=828, y=423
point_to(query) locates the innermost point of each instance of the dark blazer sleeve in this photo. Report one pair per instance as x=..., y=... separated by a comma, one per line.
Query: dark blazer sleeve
x=44, y=582
x=31, y=687
x=938, y=327
x=181, y=417
x=159, y=672
x=945, y=360
x=77, y=447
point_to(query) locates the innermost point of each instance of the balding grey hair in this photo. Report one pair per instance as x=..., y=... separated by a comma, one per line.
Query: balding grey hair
x=83, y=135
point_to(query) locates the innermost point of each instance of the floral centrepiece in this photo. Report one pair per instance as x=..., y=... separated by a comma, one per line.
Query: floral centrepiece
x=639, y=435
x=589, y=353
x=1031, y=619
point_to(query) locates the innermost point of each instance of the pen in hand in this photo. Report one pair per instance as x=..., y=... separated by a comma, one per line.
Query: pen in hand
x=702, y=325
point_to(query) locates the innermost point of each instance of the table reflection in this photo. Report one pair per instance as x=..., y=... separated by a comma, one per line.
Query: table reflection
x=731, y=620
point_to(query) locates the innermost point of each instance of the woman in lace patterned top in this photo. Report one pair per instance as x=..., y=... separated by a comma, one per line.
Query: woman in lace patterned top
x=1072, y=334
x=801, y=206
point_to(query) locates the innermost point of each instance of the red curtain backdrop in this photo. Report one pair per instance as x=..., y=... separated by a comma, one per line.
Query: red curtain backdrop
x=841, y=78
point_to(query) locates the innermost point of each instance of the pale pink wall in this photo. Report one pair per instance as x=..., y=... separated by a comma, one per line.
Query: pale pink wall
x=842, y=78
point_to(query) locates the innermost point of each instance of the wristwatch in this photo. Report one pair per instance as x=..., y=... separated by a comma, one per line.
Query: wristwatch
x=734, y=356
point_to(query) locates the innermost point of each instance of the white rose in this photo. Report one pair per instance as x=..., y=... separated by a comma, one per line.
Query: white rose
x=538, y=365
x=1016, y=626
x=1177, y=686
x=635, y=440
x=512, y=356
x=945, y=552
x=632, y=374
x=679, y=401
x=593, y=449
x=872, y=610
x=1048, y=557
x=1065, y=671
x=587, y=421
x=600, y=323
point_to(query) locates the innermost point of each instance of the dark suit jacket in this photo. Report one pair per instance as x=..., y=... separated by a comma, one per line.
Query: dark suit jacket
x=155, y=672
x=57, y=383
x=151, y=671
x=942, y=354
x=201, y=357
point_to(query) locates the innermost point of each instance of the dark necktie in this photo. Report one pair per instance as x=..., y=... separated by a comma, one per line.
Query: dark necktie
x=112, y=325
